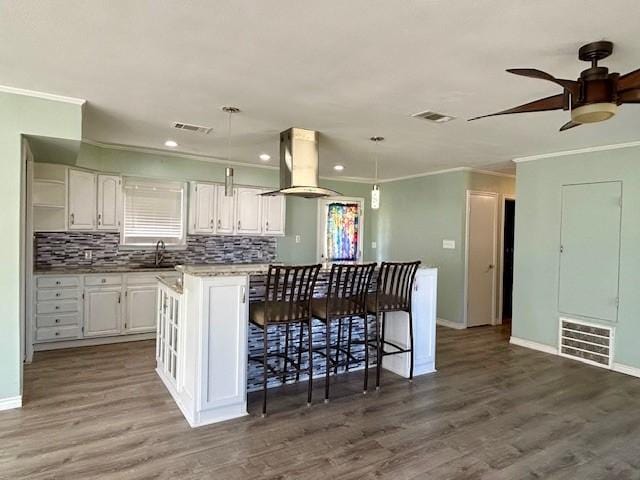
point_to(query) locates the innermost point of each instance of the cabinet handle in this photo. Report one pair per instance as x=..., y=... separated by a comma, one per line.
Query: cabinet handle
x=72, y=216
x=57, y=333
x=57, y=320
x=58, y=294
x=211, y=223
x=104, y=280
x=219, y=224
x=267, y=224
x=99, y=219
x=57, y=307
x=238, y=224
x=58, y=282
x=119, y=297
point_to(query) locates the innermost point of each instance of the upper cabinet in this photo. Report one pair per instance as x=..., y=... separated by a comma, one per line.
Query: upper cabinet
x=109, y=202
x=245, y=213
x=273, y=215
x=225, y=212
x=202, y=208
x=82, y=200
x=248, y=211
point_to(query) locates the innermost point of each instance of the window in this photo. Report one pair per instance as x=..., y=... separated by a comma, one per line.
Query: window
x=340, y=232
x=153, y=210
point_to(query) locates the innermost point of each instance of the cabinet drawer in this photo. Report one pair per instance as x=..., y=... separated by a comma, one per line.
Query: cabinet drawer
x=60, y=306
x=98, y=280
x=58, y=294
x=63, y=281
x=57, y=333
x=58, y=320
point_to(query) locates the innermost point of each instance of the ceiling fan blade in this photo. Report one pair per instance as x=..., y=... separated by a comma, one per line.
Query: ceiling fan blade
x=629, y=96
x=629, y=80
x=555, y=102
x=570, y=85
x=568, y=125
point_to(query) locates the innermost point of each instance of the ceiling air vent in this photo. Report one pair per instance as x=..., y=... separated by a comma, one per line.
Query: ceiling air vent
x=192, y=128
x=586, y=342
x=433, y=116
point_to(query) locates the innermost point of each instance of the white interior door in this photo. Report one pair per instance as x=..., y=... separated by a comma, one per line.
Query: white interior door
x=482, y=212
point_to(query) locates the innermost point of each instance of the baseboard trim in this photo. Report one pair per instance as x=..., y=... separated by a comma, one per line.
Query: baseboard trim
x=541, y=347
x=449, y=324
x=90, y=342
x=11, y=402
x=626, y=369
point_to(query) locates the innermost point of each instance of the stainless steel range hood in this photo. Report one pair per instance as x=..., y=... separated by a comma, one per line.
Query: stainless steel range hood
x=299, y=165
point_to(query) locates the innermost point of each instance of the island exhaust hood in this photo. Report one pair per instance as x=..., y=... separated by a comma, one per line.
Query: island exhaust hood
x=299, y=165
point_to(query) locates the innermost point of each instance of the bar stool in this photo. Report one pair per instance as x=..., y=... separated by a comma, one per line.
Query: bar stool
x=346, y=298
x=393, y=294
x=287, y=301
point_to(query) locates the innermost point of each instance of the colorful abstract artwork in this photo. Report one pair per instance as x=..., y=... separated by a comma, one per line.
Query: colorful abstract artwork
x=342, y=231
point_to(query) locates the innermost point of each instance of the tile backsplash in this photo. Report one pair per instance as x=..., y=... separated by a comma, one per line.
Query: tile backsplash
x=56, y=249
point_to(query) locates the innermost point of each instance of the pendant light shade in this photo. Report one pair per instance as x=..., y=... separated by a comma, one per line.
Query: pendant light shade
x=375, y=191
x=228, y=172
x=228, y=182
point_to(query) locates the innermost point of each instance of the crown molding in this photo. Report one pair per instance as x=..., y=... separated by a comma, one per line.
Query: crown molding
x=426, y=174
x=43, y=95
x=172, y=153
x=599, y=148
x=495, y=174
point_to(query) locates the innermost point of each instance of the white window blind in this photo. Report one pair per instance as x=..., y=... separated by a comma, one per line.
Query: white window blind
x=153, y=210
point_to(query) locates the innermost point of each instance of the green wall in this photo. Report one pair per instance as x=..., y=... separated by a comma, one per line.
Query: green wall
x=20, y=114
x=301, y=212
x=418, y=213
x=539, y=183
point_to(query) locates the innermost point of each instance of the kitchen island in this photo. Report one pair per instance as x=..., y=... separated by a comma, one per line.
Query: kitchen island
x=205, y=338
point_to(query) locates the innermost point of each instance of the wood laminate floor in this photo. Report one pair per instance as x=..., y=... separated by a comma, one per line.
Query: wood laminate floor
x=491, y=411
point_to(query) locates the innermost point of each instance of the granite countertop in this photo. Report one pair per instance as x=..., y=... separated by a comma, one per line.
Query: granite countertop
x=100, y=269
x=171, y=282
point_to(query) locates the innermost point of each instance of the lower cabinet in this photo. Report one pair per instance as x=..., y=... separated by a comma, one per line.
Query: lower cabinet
x=141, y=309
x=102, y=311
x=73, y=307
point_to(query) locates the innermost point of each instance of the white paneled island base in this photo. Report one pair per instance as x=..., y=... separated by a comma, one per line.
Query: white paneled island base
x=202, y=352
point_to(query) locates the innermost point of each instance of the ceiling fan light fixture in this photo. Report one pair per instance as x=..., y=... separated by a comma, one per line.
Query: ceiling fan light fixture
x=594, y=112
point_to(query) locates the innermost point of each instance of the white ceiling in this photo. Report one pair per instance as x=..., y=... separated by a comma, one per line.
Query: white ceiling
x=350, y=69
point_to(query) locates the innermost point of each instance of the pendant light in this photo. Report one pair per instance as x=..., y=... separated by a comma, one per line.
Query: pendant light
x=228, y=172
x=375, y=191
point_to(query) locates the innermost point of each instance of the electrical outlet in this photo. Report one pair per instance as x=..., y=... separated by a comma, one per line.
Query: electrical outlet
x=449, y=244
x=88, y=254
x=298, y=239
x=374, y=245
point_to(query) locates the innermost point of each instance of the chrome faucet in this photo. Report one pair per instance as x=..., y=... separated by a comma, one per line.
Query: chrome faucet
x=160, y=248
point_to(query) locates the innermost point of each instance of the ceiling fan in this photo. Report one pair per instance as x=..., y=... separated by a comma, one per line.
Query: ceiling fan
x=594, y=97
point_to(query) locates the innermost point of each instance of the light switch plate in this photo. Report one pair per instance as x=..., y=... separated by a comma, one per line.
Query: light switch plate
x=88, y=254
x=374, y=245
x=449, y=244
x=298, y=238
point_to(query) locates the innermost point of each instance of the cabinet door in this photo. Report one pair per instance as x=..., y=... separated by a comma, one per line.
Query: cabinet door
x=82, y=200
x=109, y=202
x=141, y=309
x=201, y=208
x=102, y=311
x=225, y=212
x=273, y=215
x=249, y=211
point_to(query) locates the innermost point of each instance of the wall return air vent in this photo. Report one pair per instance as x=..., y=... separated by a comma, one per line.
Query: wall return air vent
x=586, y=342
x=192, y=128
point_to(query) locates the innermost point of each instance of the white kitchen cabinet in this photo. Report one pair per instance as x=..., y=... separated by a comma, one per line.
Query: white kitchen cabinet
x=248, y=211
x=202, y=355
x=82, y=200
x=202, y=200
x=102, y=311
x=273, y=214
x=141, y=309
x=109, y=202
x=225, y=211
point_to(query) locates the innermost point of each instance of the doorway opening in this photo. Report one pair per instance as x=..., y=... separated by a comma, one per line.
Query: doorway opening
x=506, y=274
